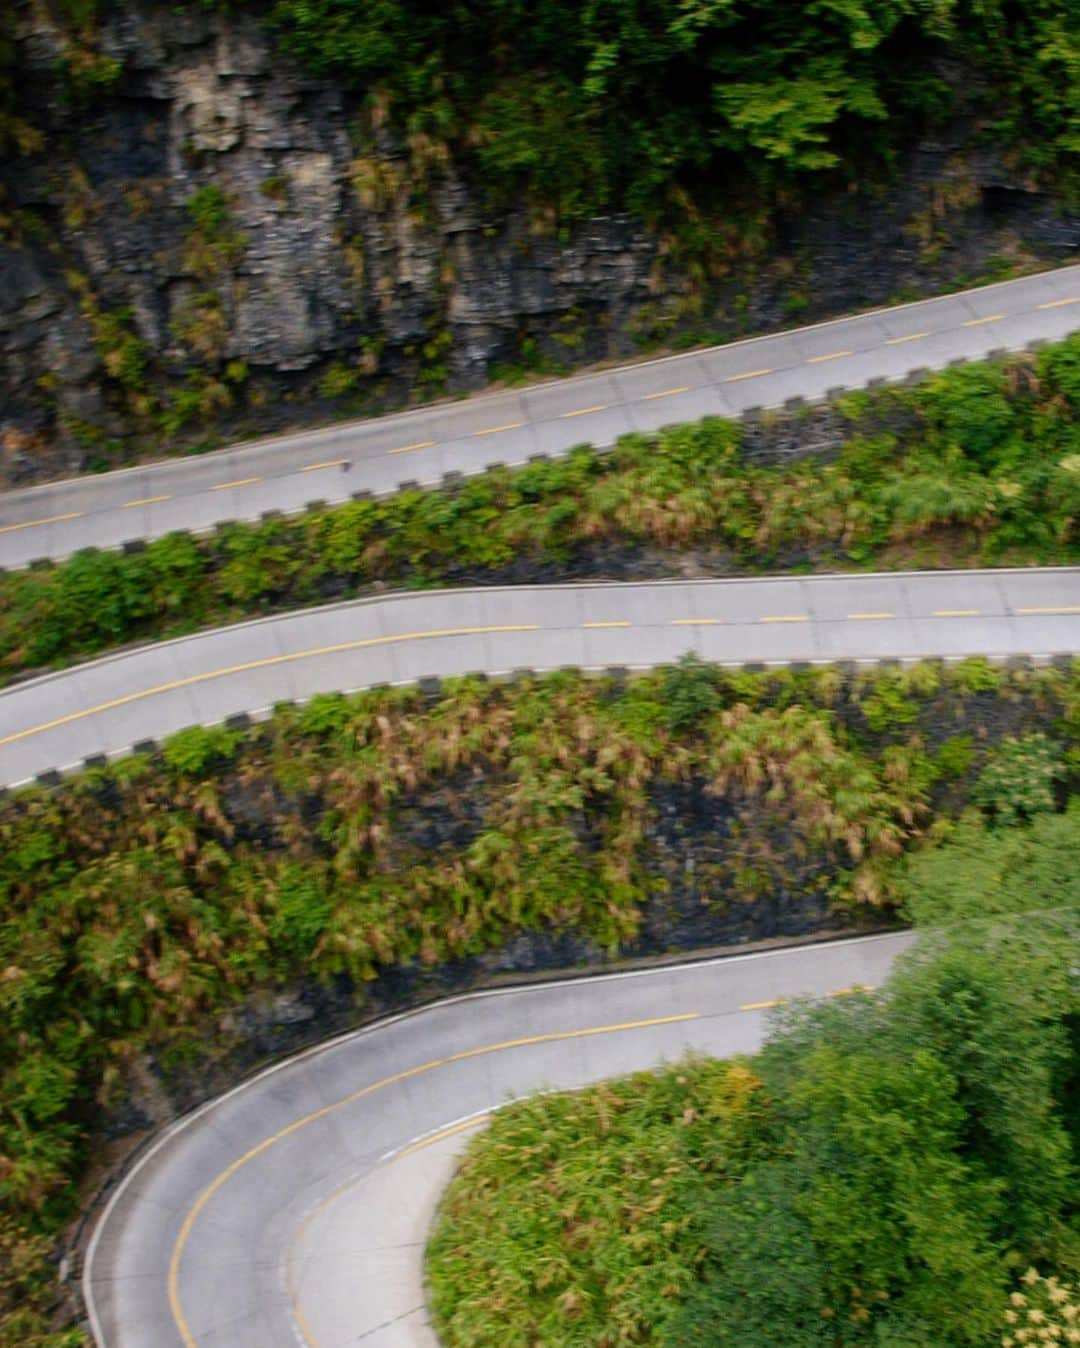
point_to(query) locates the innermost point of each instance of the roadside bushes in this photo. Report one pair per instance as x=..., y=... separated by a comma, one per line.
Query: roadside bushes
x=979, y=465
x=894, y=1169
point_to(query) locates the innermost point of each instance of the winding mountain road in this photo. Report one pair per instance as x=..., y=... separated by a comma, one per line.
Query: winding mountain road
x=289, y=471
x=293, y=1210
x=107, y=707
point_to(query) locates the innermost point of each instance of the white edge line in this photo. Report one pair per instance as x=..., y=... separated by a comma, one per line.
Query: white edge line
x=478, y=470
x=182, y=1124
x=339, y=430
x=397, y=596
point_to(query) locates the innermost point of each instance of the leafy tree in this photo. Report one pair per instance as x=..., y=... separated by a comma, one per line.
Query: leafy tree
x=1020, y=779
x=764, y=1271
x=586, y=106
x=1004, y=1040
x=981, y=875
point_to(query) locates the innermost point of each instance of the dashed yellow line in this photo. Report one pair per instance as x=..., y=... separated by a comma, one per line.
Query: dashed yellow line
x=205, y=677
x=240, y=482
x=857, y=987
x=761, y=1006
x=197, y=1208
x=49, y=519
x=1051, y=608
x=746, y=374
x=408, y=449
x=869, y=617
x=435, y=634
x=494, y=430
x=584, y=411
x=956, y=613
x=577, y=412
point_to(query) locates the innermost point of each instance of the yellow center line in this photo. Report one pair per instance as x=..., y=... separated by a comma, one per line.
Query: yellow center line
x=847, y=992
x=977, y=322
x=694, y=622
x=614, y=622
x=408, y=449
x=956, y=613
x=784, y=618
x=910, y=337
x=761, y=1006
x=665, y=393
x=1051, y=608
x=341, y=646
x=240, y=482
x=494, y=430
x=197, y=1208
x=747, y=374
x=463, y=1126
x=306, y=1332
x=867, y=617
x=584, y=411
x=49, y=519
x=146, y=500
x=328, y=463
x=832, y=355
x=1060, y=304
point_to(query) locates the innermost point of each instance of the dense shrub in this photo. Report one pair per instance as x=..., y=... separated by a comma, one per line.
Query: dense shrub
x=611, y=103
x=877, y=1175
x=1019, y=781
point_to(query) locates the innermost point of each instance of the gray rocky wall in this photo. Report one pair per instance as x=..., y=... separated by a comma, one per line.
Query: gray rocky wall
x=337, y=284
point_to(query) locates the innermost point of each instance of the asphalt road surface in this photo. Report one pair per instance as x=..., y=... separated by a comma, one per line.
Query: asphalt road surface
x=107, y=707
x=287, y=472
x=294, y=1209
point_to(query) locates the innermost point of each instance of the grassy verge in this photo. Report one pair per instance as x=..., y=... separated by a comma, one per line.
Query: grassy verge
x=979, y=465
x=144, y=906
x=900, y=1170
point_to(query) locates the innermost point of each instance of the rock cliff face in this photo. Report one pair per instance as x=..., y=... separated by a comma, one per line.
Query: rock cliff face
x=692, y=840
x=204, y=246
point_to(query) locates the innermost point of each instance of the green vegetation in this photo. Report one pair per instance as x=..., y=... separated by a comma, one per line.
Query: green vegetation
x=211, y=244
x=1021, y=779
x=613, y=104
x=978, y=465
x=879, y=1174
x=139, y=902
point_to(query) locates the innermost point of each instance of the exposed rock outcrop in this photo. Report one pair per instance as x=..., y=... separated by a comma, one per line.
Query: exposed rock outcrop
x=205, y=247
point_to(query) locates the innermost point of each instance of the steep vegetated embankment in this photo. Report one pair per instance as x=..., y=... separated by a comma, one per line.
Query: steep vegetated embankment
x=167, y=922
x=895, y=1169
x=979, y=465
x=218, y=217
